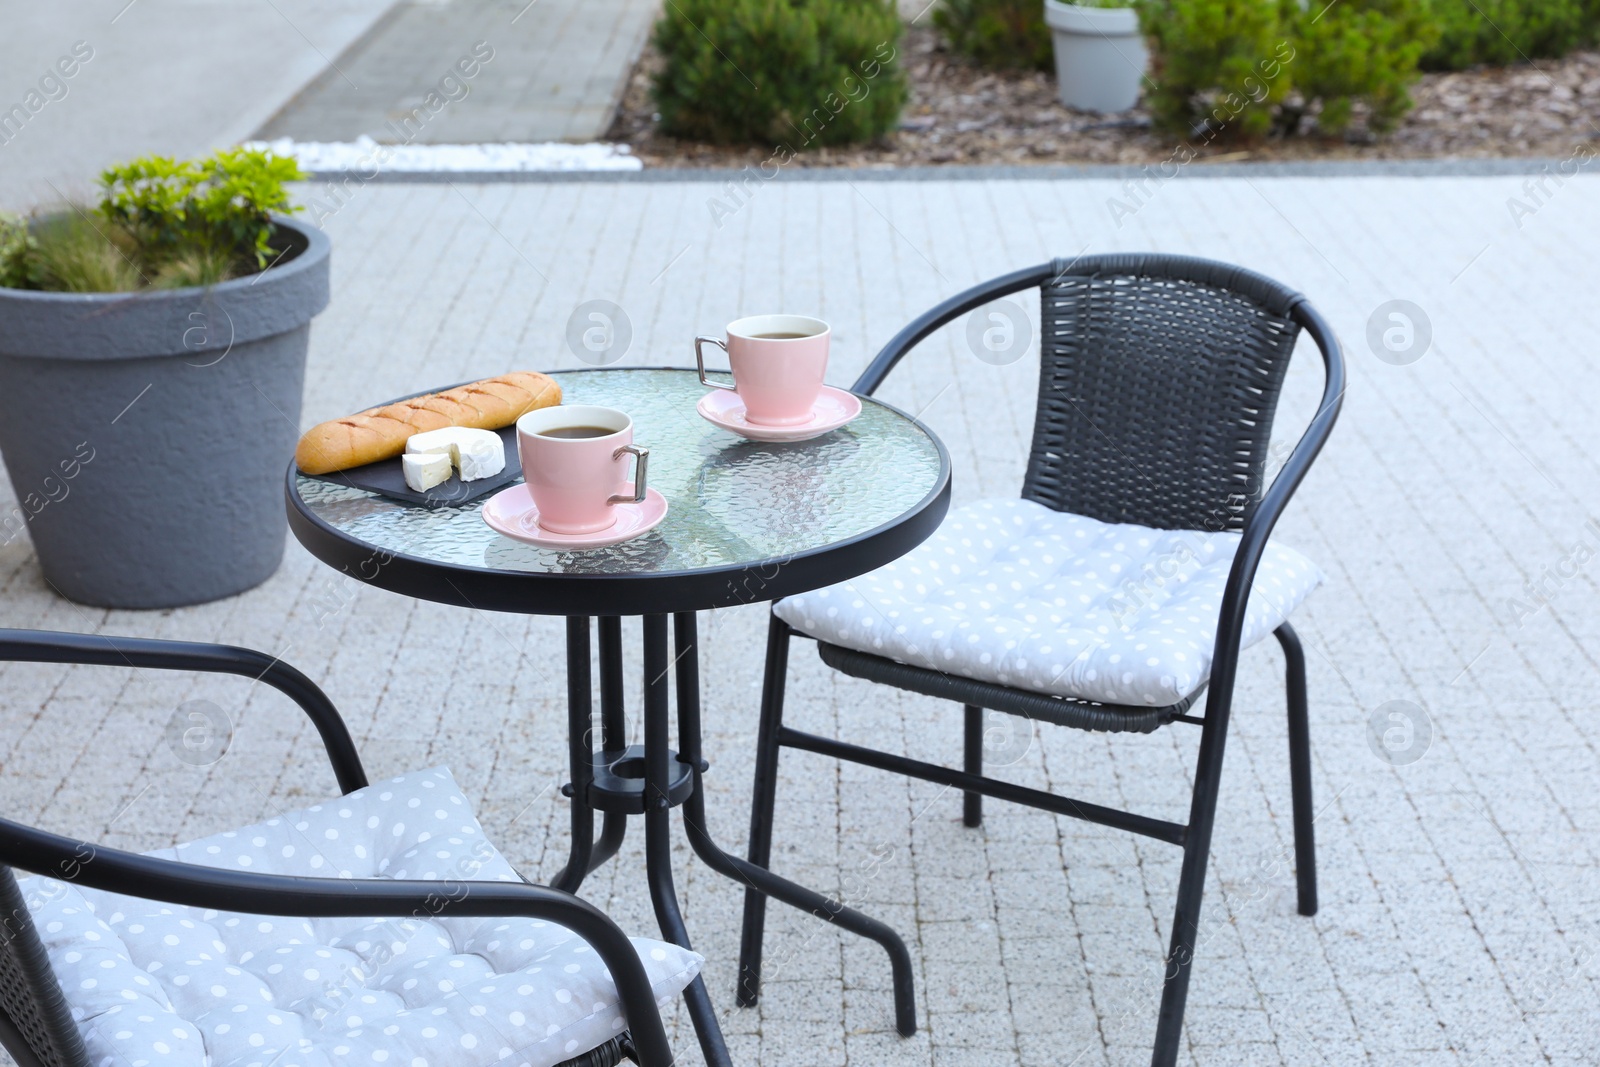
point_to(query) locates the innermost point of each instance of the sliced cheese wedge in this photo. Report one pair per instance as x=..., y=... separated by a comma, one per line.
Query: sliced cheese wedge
x=482, y=454
x=424, y=470
x=475, y=453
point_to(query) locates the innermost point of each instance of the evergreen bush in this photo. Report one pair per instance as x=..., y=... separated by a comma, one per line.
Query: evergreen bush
x=790, y=73
x=1004, y=34
x=1218, y=65
x=1359, y=51
x=1244, y=68
x=1502, y=32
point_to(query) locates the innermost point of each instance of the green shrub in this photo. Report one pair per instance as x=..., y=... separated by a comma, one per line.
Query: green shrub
x=159, y=223
x=1243, y=68
x=1358, y=51
x=1218, y=65
x=785, y=73
x=1501, y=32
x=997, y=33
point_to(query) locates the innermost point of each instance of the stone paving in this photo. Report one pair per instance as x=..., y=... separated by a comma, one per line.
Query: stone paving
x=536, y=70
x=1459, y=843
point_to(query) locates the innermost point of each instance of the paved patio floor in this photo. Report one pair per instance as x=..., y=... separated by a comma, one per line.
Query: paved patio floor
x=172, y=77
x=1452, y=513
x=551, y=70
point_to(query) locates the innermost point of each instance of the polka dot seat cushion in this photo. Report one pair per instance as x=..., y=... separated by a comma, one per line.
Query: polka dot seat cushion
x=1009, y=591
x=165, y=985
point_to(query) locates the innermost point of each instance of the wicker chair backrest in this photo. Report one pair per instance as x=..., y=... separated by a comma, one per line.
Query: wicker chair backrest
x=1159, y=379
x=30, y=996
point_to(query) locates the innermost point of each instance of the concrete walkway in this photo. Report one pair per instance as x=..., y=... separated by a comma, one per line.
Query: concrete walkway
x=467, y=71
x=1460, y=864
x=177, y=77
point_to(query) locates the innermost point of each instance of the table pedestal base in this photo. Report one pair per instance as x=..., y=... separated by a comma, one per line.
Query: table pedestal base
x=619, y=778
x=651, y=779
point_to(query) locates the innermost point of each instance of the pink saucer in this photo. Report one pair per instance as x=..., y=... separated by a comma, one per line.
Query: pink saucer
x=834, y=408
x=511, y=512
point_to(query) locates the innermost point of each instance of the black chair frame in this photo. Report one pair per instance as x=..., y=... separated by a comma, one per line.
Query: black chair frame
x=36, y=1025
x=1253, y=510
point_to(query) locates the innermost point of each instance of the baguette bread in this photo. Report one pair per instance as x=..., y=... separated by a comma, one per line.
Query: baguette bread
x=381, y=433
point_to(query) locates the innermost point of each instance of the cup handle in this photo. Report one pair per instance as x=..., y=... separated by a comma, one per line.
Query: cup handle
x=641, y=466
x=700, y=361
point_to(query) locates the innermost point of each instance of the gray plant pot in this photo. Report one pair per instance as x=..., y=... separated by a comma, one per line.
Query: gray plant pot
x=146, y=434
x=1100, y=55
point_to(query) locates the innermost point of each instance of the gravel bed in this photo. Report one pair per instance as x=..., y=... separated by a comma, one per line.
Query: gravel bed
x=961, y=114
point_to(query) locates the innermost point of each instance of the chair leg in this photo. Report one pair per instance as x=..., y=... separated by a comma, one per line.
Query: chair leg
x=1305, y=847
x=761, y=809
x=1191, y=881
x=972, y=763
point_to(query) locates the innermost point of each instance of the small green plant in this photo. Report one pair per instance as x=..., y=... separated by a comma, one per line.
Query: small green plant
x=160, y=222
x=997, y=33
x=792, y=74
x=215, y=206
x=18, y=267
x=1358, y=51
x=1503, y=32
x=77, y=253
x=196, y=266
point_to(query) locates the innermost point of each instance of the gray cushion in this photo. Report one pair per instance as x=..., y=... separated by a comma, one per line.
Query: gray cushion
x=1009, y=591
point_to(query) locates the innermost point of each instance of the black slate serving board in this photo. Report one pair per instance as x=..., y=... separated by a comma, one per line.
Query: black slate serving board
x=387, y=478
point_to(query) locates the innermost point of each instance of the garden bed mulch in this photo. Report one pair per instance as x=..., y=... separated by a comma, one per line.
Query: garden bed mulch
x=959, y=113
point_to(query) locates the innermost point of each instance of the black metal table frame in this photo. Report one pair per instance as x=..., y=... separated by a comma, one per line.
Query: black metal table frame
x=651, y=779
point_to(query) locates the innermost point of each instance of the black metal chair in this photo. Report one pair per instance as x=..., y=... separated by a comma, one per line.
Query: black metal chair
x=36, y=1023
x=1159, y=380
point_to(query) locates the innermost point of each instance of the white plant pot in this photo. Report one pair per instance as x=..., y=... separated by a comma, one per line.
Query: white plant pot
x=1100, y=55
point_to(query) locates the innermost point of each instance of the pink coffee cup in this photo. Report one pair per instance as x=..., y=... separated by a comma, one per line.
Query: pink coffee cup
x=777, y=361
x=577, y=481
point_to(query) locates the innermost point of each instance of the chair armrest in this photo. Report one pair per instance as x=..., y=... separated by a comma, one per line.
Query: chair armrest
x=45, y=646
x=940, y=314
x=1253, y=540
x=171, y=882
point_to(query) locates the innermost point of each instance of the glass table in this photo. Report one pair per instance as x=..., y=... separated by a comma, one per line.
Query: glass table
x=746, y=522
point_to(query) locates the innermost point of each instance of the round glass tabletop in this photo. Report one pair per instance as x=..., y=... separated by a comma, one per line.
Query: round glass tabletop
x=746, y=520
